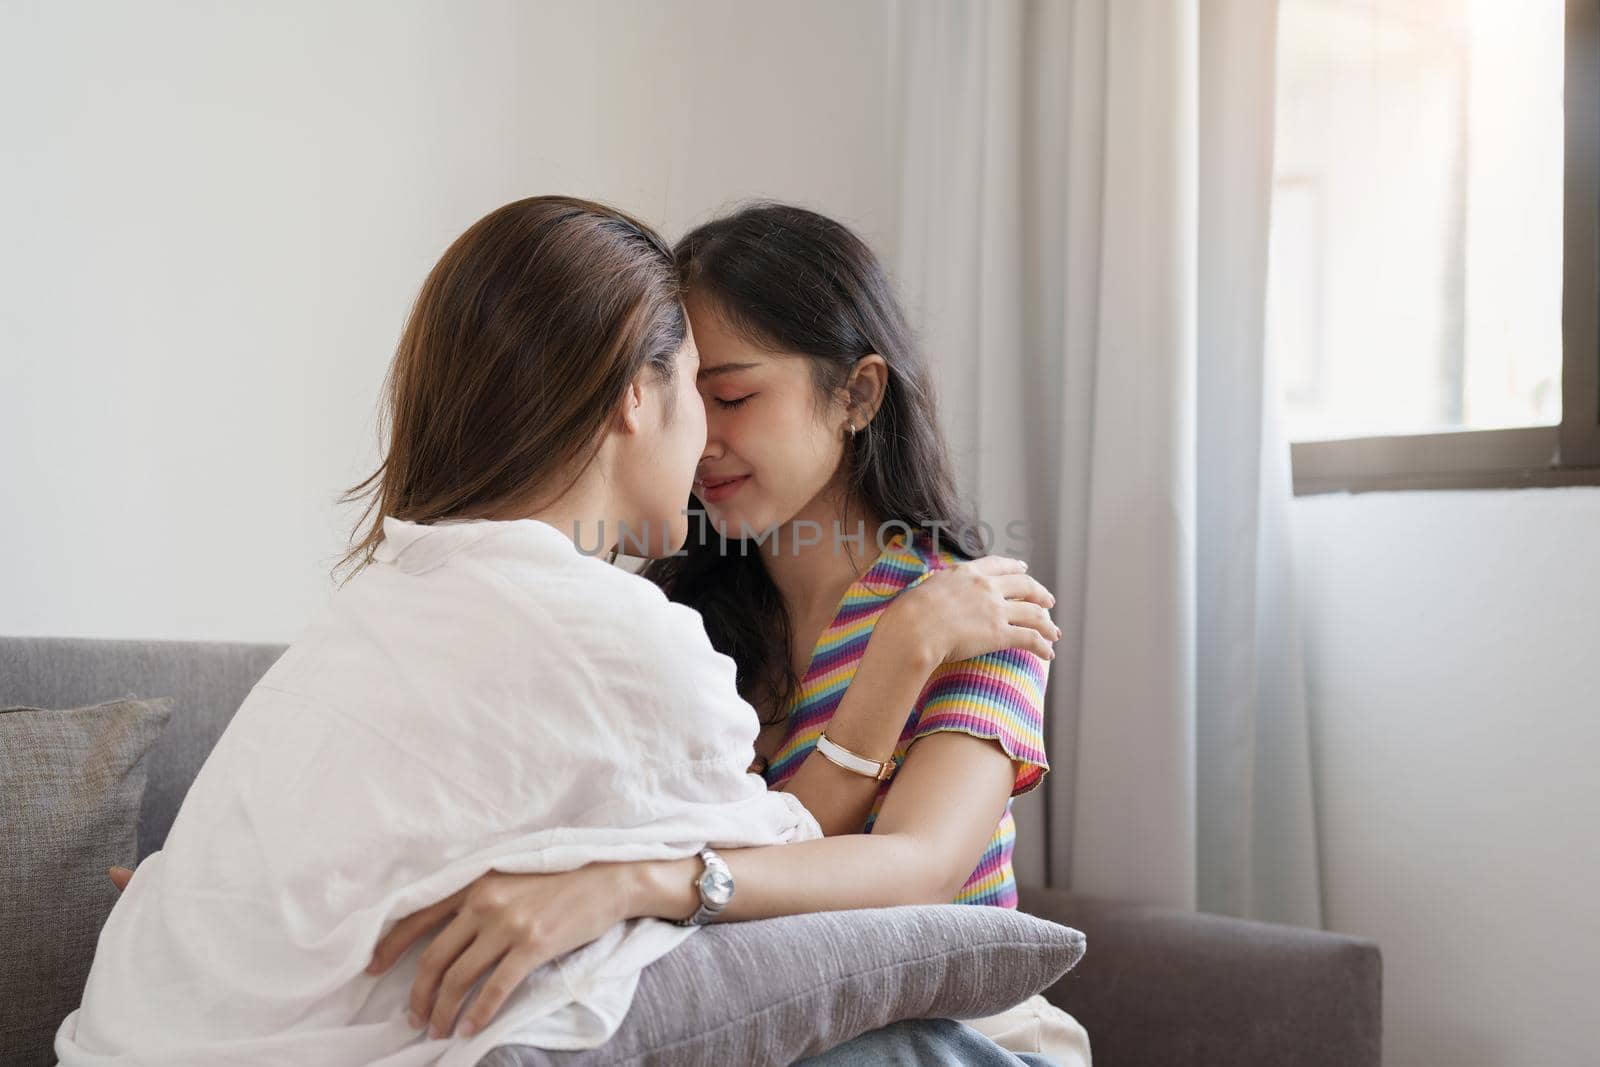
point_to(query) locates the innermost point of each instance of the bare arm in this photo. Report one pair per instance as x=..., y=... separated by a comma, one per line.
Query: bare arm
x=984, y=606
x=936, y=822
x=869, y=721
x=919, y=852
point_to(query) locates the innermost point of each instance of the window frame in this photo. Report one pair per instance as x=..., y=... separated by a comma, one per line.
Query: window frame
x=1522, y=457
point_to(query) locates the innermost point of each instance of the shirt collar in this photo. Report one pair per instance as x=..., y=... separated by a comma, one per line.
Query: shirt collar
x=898, y=567
x=415, y=547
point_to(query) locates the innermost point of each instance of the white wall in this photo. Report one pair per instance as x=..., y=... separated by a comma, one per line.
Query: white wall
x=215, y=218
x=1454, y=661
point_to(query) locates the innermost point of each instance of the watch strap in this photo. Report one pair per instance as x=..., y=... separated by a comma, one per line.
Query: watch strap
x=708, y=910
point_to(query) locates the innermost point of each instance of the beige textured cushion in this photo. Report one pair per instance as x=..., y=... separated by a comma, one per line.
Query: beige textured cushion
x=70, y=787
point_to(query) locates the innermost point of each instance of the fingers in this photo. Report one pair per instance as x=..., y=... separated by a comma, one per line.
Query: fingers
x=1032, y=640
x=434, y=964
x=120, y=876
x=393, y=945
x=997, y=565
x=463, y=974
x=514, y=967
x=1024, y=587
x=1021, y=613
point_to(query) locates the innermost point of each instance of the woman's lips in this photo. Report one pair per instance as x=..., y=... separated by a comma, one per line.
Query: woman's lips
x=716, y=490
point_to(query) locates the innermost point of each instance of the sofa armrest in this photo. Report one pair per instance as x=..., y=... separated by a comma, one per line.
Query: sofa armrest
x=1165, y=987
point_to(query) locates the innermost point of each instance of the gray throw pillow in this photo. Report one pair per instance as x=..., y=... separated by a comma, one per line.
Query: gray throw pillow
x=773, y=991
x=70, y=787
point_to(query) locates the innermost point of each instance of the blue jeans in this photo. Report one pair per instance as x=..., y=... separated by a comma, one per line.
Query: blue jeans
x=924, y=1043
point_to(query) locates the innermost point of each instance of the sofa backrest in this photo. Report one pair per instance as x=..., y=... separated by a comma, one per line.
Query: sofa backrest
x=206, y=680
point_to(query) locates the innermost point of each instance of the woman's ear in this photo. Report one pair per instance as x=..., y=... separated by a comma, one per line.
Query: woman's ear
x=869, y=381
x=630, y=408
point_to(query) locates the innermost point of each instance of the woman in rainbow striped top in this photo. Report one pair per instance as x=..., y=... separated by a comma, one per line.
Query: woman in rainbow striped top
x=997, y=697
x=832, y=537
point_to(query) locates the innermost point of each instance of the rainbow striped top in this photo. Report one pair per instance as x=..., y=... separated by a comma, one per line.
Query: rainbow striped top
x=999, y=697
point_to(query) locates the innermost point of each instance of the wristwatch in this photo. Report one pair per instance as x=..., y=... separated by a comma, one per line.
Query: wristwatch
x=715, y=885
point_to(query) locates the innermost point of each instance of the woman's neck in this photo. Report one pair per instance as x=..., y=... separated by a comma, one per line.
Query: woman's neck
x=584, y=514
x=812, y=577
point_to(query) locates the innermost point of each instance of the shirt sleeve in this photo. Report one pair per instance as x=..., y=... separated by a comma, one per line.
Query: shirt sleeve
x=997, y=697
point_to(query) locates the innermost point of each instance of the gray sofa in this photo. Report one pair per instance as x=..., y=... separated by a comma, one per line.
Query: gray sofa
x=1158, y=987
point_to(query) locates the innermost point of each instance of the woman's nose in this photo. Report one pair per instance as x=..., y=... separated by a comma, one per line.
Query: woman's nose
x=713, y=448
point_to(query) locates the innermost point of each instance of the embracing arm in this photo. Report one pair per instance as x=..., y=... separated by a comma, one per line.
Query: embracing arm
x=959, y=612
x=868, y=721
x=936, y=822
x=926, y=841
x=938, y=817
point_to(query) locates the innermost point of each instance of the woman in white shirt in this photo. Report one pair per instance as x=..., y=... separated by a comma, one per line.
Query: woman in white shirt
x=485, y=705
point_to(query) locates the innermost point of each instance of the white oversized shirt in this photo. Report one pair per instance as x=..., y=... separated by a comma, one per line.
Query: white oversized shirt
x=483, y=696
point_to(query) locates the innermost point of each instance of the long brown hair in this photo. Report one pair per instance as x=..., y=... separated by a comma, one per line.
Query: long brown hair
x=521, y=342
x=791, y=280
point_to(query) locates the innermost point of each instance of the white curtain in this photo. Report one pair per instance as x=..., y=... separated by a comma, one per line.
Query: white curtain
x=1085, y=198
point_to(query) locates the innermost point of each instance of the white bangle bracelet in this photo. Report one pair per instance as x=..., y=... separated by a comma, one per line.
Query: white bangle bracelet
x=843, y=757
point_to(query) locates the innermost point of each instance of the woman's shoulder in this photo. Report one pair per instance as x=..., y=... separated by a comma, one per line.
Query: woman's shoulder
x=539, y=562
x=908, y=558
x=937, y=547
x=639, y=611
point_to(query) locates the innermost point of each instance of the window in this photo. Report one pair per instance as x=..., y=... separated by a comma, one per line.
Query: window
x=1432, y=292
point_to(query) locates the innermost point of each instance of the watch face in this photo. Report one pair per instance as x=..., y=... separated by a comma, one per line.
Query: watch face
x=717, y=887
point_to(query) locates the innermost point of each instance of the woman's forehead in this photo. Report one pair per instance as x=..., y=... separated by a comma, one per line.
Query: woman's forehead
x=726, y=351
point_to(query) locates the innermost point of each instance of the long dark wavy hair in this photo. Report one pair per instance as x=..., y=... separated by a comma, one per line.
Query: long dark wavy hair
x=791, y=280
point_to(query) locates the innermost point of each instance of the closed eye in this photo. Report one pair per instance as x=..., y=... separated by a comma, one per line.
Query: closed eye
x=735, y=402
